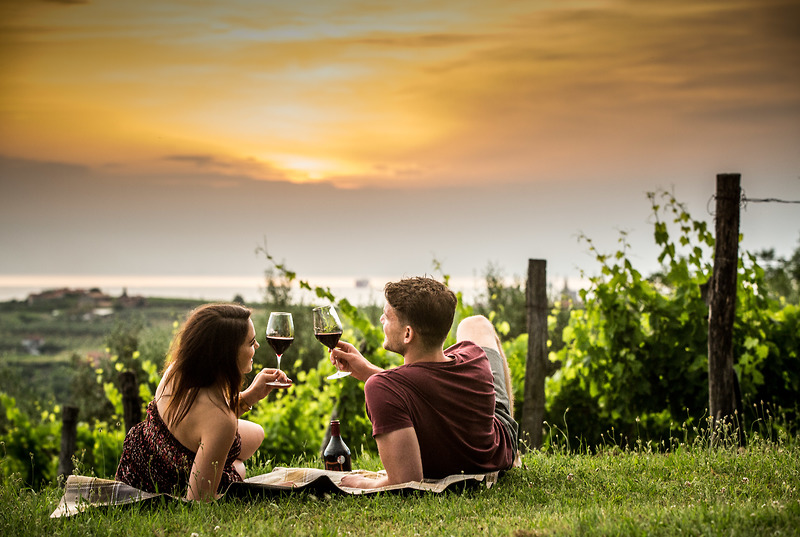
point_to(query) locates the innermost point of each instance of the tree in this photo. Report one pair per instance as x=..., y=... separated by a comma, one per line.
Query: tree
x=781, y=275
x=504, y=302
x=278, y=292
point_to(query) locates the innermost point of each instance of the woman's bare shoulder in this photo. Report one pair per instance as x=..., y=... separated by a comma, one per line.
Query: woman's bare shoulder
x=210, y=410
x=207, y=419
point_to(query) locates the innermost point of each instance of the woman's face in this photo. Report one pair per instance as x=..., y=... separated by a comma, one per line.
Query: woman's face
x=247, y=350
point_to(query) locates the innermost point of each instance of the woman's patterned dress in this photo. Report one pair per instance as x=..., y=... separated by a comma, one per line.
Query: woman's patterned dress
x=154, y=461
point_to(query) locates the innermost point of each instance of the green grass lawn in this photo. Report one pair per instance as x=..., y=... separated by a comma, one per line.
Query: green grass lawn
x=689, y=490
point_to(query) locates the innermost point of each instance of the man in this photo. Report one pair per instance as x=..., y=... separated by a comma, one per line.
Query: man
x=442, y=412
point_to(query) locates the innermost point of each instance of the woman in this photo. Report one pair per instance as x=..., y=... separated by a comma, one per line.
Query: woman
x=192, y=438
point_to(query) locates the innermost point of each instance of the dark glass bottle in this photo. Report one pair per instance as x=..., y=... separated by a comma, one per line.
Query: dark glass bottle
x=336, y=454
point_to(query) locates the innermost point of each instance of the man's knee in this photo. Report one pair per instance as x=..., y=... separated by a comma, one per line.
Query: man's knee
x=477, y=329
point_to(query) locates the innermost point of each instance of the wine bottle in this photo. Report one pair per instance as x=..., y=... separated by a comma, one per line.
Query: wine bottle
x=336, y=454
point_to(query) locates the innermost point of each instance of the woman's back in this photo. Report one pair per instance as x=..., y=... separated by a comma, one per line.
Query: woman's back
x=207, y=415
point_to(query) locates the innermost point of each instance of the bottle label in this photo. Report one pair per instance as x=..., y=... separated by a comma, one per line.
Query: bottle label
x=338, y=463
x=335, y=466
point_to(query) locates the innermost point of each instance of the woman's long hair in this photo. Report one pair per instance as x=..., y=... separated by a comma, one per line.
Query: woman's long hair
x=204, y=354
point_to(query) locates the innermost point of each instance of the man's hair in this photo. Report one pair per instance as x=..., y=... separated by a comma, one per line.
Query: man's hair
x=424, y=304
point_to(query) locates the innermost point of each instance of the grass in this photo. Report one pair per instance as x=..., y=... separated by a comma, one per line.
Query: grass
x=680, y=490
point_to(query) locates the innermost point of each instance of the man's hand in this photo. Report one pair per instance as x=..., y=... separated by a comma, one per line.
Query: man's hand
x=399, y=451
x=355, y=481
x=345, y=357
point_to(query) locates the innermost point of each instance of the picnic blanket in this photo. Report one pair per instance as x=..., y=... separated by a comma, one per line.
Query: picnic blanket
x=83, y=492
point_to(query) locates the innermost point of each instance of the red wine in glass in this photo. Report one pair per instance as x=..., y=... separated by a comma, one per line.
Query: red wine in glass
x=280, y=344
x=328, y=330
x=280, y=334
x=329, y=339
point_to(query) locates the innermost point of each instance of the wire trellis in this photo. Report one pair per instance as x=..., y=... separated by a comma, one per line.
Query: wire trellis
x=767, y=200
x=744, y=200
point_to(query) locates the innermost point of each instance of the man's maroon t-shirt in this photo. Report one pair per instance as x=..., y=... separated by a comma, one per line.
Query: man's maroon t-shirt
x=451, y=407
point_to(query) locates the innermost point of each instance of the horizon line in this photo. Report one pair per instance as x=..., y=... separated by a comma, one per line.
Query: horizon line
x=218, y=280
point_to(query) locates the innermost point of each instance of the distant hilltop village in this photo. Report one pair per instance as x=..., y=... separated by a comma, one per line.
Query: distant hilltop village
x=93, y=299
x=80, y=304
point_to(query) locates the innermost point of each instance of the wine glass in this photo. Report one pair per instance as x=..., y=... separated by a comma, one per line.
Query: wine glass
x=280, y=334
x=328, y=330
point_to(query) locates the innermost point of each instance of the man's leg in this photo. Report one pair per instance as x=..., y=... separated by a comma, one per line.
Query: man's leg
x=479, y=330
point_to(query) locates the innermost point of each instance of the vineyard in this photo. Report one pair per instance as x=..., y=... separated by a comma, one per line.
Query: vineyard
x=627, y=360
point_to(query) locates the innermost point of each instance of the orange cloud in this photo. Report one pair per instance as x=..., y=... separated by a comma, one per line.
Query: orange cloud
x=355, y=93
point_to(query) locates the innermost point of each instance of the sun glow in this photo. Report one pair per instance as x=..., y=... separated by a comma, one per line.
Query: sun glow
x=304, y=169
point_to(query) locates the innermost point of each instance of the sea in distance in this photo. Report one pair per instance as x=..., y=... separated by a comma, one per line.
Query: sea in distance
x=359, y=290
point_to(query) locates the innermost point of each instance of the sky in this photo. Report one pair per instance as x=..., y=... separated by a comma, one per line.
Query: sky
x=356, y=138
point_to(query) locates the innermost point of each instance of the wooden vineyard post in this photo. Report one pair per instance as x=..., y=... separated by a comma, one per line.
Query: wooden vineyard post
x=532, y=419
x=69, y=432
x=722, y=303
x=131, y=401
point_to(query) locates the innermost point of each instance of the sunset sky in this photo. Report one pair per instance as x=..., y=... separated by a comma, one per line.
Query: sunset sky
x=368, y=138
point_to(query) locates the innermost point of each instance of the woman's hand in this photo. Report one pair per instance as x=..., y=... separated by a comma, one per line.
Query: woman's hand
x=260, y=387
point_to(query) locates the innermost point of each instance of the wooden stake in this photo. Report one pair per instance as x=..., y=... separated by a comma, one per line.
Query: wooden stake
x=131, y=401
x=722, y=302
x=532, y=419
x=69, y=432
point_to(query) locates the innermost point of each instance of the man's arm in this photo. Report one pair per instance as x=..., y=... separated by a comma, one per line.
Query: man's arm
x=400, y=455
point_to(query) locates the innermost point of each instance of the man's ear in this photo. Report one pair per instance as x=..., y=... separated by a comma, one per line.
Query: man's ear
x=409, y=334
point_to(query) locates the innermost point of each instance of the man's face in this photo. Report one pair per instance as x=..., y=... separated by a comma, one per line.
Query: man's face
x=393, y=331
